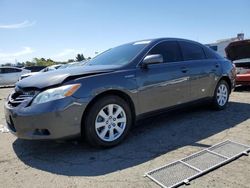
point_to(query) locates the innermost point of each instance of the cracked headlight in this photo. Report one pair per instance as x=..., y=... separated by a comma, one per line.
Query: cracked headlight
x=56, y=93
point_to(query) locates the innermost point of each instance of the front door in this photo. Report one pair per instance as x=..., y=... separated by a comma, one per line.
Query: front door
x=165, y=84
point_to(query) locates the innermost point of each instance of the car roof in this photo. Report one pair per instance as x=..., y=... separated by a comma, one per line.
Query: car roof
x=157, y=40
x=166, y=38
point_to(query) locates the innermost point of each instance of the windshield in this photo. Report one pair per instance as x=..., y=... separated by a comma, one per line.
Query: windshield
x=120, y=55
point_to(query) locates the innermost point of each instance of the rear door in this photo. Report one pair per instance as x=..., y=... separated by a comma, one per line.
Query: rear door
x=164, y=84
x=202, y=70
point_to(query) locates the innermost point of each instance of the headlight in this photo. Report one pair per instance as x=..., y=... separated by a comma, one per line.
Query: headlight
x=56, y=93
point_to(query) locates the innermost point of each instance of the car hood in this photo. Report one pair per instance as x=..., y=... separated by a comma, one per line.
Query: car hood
x=238, y=50
x=55, y=77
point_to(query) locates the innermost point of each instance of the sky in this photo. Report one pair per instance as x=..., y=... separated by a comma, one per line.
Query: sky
x=59, y=29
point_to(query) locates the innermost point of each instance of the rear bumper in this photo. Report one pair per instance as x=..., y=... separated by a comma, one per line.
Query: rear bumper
x=54, y=120
x=243, y=79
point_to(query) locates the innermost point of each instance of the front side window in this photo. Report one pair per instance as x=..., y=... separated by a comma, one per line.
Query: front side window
x=169, y=50
x=191, y=51
x=120, y=55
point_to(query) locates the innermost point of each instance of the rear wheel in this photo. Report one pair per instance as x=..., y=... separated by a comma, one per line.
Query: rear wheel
x=108, y=121
x=221, y=95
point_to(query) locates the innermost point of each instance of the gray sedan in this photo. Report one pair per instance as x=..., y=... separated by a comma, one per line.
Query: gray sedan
x=102, y=100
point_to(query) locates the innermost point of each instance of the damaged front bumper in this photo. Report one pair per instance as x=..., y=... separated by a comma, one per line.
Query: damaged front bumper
x=57, y=119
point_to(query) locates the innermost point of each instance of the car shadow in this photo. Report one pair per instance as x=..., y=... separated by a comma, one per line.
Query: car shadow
x=245, y=88
x=149, y=139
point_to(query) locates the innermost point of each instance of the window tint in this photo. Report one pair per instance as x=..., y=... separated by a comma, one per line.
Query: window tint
x=191, y=51
x=120, y=55
x=13, y=70
x=9, y=70
x=17, y=70
x=169, y=50
x=4, y=70
x=210, y=54
x=215, y=48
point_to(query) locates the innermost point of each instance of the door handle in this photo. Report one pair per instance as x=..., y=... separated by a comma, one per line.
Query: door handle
x=184, y=69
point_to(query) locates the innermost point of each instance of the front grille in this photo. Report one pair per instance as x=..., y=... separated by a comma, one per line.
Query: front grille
x=21, y=95
x=228, y=149
x=16, y=99
x=195, y=165
x=173, y=174
x=204, y=160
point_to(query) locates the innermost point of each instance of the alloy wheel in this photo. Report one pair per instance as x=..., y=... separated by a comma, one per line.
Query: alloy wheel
x=222, y=95
x=110, y=122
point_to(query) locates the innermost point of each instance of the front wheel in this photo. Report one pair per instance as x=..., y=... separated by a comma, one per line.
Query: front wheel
x=108, y=121
x=221, y=95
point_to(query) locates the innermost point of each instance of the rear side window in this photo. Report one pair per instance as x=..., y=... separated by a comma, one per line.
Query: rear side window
x=4, y=70
x=215, y=48
x=210, y=54
x=13, y=70
x=9, y=70
x=191, y=51
x=169, y=50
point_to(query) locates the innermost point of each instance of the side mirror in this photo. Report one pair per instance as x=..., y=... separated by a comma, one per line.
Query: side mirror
x=152, y=59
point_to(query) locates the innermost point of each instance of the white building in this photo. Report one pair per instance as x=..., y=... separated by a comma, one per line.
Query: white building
x=220, y=45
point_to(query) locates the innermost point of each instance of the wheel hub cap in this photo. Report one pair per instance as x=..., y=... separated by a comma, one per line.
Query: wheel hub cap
x=222, y=95
x=110, y=122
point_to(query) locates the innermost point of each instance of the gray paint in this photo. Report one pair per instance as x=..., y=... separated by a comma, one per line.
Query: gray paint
x=150, y=88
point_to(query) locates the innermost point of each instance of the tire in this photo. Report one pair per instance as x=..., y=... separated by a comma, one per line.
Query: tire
x=99, y=120
x=221, y=95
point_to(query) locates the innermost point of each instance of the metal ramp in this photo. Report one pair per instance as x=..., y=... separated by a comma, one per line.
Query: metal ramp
x=186, y=169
